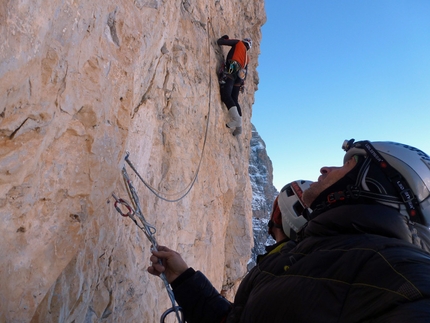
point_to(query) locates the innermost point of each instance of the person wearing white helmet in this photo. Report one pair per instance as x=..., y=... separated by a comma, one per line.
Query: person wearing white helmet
x=361, y=252
x=233, y=80
x=383, y=173
x=210, y=306
x=287, y=217
x=293, y=208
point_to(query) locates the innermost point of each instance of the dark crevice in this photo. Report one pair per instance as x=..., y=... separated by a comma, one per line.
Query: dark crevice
x=17, y=129
x=112, y=26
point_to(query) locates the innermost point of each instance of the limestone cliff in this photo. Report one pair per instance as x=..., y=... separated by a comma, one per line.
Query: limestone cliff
x=81, y=83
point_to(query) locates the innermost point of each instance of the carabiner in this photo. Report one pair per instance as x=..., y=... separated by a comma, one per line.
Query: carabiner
x=177, y=310
x=125, y=204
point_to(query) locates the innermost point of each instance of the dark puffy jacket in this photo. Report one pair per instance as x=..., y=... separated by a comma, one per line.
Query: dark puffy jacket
x=360, y=263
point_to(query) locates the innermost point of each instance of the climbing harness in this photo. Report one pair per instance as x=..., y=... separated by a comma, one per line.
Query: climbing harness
x=233, y=67
x=135, y=212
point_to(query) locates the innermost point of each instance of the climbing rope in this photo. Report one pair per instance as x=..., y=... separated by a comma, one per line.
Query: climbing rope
x=187, y=189
x=135, y=212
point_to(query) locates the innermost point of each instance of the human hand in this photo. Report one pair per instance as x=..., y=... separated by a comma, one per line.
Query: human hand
x=172, y=264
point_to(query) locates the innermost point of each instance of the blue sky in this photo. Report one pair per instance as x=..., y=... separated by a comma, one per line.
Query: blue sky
x=332, y=70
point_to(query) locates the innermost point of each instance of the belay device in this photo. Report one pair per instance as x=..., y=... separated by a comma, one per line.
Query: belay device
x=135, y=213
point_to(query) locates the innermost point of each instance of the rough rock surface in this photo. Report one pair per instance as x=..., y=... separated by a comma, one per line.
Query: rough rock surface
x=263, y=194
x=261, y=174
x=81, y=83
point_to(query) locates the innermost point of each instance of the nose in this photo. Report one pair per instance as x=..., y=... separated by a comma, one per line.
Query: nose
x=325, y=170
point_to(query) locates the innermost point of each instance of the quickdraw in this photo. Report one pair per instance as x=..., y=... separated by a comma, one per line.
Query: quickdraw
x=135, y=212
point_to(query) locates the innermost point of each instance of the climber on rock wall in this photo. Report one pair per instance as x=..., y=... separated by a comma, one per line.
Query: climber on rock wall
x=233, y=78
x=360, y=251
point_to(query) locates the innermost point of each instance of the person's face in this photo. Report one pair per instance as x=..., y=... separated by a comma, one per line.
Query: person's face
x=329, y=176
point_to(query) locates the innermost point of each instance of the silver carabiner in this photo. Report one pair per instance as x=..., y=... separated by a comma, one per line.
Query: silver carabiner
x=177, y=310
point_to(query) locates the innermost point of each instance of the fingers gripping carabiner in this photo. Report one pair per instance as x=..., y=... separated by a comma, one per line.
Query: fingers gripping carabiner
x=125, y=204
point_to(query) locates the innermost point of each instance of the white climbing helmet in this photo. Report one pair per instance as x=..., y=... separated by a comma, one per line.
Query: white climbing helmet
x=406, y=167
x=292, y=207
x=248, y=41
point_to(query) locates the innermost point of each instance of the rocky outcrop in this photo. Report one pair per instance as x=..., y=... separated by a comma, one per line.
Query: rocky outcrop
x=81, y=83
x=261, y=174
x=263, y=194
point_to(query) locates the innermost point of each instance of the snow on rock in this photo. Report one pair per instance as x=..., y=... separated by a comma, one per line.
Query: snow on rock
x=263, y=194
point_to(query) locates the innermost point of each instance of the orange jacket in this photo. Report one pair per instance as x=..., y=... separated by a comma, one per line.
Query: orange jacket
x=240, y=54
x=237, y=52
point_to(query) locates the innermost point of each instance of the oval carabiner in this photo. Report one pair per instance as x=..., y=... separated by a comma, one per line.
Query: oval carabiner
x=125, y=204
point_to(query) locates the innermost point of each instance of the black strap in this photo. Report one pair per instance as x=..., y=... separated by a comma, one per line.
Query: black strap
x=272, y=224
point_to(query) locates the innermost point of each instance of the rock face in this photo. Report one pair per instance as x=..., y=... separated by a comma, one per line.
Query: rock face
x=261, y=174
x=263, y=194
x=81, y=83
